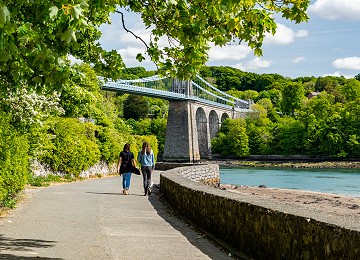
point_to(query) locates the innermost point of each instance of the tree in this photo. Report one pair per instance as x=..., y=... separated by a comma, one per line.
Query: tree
x=135, y=107
x=292, y=94
x=232, y=138
x=288, y=137
x=37, y=37
x=357, y=77
x=351, y=90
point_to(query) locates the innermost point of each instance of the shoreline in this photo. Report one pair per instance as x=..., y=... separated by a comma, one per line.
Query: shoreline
x=288, y=164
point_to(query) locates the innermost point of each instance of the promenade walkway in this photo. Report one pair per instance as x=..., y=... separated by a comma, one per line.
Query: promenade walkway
x=92, y=219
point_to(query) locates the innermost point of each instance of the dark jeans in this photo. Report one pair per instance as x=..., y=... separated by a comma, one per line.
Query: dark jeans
x=146, y=173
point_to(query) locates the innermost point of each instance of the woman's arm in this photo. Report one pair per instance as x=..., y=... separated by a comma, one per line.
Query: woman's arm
x=119, y=163
x=133, y=162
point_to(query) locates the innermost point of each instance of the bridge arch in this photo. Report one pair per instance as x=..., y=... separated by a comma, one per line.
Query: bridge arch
x=202, y=132
x=214, y=124
x=224, y=116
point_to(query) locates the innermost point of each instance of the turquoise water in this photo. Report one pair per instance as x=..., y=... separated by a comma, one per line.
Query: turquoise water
x=335, y=181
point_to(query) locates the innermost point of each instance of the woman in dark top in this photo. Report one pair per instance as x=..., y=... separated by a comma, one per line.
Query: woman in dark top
x=125, y=165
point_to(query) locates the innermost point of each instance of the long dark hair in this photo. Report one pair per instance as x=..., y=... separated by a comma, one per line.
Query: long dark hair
x=146, y=147
x=126, y=147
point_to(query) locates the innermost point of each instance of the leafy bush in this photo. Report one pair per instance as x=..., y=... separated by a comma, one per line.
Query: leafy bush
x=74, y=146
x=232, y=138
x=14, y=159
x=288, y=137
x=110, y=143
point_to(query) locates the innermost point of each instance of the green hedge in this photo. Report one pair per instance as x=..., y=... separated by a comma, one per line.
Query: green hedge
x=110, y=142
x=14, y=166
x=74, y=148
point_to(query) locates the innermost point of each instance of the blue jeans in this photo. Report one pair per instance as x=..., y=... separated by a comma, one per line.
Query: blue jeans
x=126, y=180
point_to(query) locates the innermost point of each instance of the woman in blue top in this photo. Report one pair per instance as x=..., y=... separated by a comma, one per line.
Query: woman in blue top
x=146, y=160
x=125, y=165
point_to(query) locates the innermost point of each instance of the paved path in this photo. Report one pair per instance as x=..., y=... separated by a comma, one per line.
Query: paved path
x=93, y=220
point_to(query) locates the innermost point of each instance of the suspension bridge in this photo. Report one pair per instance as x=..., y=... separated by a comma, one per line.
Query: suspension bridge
x=197, y=89
x=196, y=111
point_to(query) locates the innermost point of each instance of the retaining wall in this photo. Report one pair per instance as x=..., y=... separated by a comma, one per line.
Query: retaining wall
x=259, y=229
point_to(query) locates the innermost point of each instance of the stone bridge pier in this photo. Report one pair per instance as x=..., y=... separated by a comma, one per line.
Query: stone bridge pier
x=191, y=126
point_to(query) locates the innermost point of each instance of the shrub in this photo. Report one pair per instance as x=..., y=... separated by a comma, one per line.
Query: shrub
x=14, y=165
x=74, y=146
x=111, y=143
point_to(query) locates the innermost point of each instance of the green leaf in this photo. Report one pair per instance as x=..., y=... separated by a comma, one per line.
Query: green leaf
x=37, y=80
x=10, y=28
x=77, y=11
x=84, y=5
x=140, y=57
x=53, y=11
x=172, y=2
x=231, y=24
x=68, y=35
x=4, y=16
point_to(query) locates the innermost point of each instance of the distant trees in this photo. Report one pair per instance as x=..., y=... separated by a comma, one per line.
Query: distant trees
x=292, y=94
x=135, y=107
x=232, y=138
x=357, y=77
x=284, y=121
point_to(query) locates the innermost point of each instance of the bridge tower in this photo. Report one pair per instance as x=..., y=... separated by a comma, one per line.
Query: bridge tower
x=191, y=125
x=181, y=141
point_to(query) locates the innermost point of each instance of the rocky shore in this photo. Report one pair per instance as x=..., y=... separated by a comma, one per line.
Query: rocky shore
x=333, y=205
x=290, y=163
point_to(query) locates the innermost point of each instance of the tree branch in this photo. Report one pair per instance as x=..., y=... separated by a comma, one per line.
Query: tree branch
x=128, y=31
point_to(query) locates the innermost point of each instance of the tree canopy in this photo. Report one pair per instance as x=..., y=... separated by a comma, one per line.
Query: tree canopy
x=37, y=36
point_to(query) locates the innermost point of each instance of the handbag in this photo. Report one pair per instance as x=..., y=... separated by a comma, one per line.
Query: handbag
x=136, y=171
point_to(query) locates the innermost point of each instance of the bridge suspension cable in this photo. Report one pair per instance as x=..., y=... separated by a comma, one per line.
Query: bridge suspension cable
x=162, y=87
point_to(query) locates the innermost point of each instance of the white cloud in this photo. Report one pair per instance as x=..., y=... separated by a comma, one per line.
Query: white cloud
x=284, y=35
x=116, y=35
x=258, y=63
x=254, y=64
x=229, y=53
x=339, y=74
x=298, y=59
x=336, y=9
x=74, y=60
x=350, y=63
x=302, y=34
x=129, y=57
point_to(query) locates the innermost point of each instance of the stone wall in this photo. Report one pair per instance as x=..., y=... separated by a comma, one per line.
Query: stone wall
x=254, y=227
x=100, y=168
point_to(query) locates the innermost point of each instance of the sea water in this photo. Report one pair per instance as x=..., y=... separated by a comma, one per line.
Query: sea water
x=334, y=181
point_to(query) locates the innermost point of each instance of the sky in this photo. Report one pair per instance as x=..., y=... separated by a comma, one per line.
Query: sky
x=328, y=44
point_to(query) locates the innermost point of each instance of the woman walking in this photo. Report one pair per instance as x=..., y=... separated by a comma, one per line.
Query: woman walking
x=125, y=165
x=147, y=162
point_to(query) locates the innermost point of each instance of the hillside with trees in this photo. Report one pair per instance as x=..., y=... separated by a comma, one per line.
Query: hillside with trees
x=302, y=116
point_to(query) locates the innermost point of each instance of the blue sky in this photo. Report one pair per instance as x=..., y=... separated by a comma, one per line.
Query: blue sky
x=328, y=44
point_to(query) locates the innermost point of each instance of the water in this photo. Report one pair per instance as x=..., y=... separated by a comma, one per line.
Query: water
x=335, y=181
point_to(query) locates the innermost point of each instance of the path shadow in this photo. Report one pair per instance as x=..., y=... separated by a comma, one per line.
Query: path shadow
x=24, y=245
x=193, y=235
x=113, y=193
x=104, y=193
